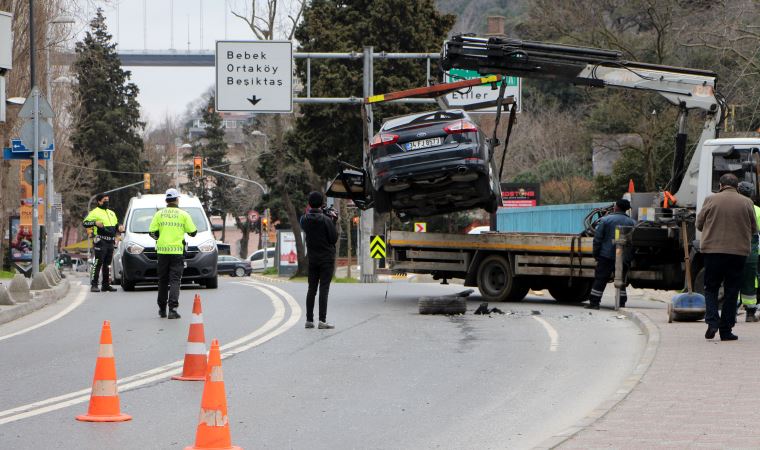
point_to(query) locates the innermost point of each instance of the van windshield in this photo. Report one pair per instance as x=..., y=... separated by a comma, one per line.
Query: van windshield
x=140, y=220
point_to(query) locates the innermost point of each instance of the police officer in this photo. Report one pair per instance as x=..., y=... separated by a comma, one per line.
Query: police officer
x=105, y=227
x=604, y=251
x=168, y=228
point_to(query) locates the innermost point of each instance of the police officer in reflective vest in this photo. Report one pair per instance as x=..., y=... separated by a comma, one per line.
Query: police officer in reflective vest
x=105, y=228
x=168, y=228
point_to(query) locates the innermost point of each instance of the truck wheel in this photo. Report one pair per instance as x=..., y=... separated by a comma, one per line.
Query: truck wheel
x=442, y=305
x=496, y=283
x=211, y=283
x=577, y=293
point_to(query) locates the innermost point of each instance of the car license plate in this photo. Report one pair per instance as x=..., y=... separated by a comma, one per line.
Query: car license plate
x=423, y=143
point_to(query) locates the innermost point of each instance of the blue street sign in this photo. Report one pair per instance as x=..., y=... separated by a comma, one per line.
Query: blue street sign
x=8, y=153
x=18, y=147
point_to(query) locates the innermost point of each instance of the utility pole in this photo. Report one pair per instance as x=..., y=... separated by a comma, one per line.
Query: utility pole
x=367, y=217
x=36, y=148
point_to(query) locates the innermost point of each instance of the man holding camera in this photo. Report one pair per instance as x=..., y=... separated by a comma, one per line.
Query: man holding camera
x=319, y=226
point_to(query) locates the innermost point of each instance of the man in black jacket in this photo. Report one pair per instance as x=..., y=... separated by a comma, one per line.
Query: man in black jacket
x=319, y=226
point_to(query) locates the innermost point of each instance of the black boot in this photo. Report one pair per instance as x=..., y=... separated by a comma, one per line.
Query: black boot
x=162, y=313
x=94, y=289
x=108, y=289
x=173, y=314
x=751, y=317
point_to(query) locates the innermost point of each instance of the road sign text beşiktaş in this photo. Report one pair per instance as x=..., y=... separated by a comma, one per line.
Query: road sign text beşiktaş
x=254, y=76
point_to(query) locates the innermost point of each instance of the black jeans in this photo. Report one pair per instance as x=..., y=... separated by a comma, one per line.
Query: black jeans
x=722, y=268
x=170, y=269
x=320, y=275
x=103, y=256
x=605, y=269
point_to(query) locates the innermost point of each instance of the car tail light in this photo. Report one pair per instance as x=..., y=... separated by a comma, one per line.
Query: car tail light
x=460, y=126
x=383, y=139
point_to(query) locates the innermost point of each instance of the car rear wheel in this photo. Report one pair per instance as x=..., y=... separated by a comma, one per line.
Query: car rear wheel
x=127, y=285
x=239, y=272
x=382, y=202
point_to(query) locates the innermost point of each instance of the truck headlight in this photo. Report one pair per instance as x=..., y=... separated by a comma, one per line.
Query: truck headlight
x=207, y=247
x=134, y=249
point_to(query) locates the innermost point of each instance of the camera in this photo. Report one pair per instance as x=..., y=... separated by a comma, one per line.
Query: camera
x=331, y=212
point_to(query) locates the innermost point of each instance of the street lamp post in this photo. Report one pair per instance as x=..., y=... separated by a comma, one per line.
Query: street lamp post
x=49, y=182
x=183, y=146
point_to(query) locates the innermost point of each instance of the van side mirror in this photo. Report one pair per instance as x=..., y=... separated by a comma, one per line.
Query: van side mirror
x=216, y=227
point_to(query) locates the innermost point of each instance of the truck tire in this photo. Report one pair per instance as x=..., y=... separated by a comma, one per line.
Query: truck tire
x=496, y=283
x=577, y=293
x=446, y=304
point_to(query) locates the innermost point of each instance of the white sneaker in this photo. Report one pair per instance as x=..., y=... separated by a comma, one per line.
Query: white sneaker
x=325, y=326
x=309, y=324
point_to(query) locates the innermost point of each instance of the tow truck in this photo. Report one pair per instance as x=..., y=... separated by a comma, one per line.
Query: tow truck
x=504, y=266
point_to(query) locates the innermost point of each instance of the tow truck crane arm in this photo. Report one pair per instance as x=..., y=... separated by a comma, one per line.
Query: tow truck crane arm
x=688, y=89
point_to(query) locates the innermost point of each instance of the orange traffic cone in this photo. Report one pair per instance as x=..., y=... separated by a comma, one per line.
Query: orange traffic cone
x=104, y=400
x=630, y=186
x=195, y=355
x=213, y=424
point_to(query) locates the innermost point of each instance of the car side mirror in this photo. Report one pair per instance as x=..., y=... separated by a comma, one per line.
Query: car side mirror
x=216, y=227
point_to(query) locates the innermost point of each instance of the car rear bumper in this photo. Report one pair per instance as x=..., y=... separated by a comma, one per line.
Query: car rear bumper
x=398, y=177
x=142, y=268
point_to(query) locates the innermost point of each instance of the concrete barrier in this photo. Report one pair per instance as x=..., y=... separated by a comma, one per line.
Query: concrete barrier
x=19, y=289
x=39, y=299
x=5, y=297
x=53, y=273
x=40, y=282
x=49, y=277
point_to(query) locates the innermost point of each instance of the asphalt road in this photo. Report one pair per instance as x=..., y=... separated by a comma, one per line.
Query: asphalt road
x=386, y=377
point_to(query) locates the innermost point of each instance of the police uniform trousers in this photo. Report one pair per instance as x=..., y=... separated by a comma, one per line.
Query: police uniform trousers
x=103, y=256
x=170, y=269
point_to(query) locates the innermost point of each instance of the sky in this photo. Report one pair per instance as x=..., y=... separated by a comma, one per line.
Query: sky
x=169, y=90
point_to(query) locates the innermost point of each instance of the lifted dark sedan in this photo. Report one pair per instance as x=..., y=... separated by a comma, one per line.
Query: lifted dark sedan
x=432, y=163
x=232, y=266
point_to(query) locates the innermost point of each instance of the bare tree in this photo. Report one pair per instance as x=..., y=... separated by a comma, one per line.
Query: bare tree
x=265, y=21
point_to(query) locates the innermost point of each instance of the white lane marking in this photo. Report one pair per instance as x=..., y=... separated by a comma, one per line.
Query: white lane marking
x=171, y=369
x=553, y=335
x=77, y=301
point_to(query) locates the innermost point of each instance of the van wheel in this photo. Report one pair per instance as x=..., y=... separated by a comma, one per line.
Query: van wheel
x=211, y=283
x=496, y=282
x=127, y=285
x=577, y=293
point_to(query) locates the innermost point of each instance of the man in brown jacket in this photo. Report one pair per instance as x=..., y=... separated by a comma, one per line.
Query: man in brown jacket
x=727, y=223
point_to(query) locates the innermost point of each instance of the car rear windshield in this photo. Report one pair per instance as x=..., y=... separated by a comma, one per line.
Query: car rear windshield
x=141, y=218
x=436, y=116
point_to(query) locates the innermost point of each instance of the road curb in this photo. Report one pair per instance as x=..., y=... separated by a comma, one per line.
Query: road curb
x=652, y=334
x=39, y=300
x=268, y=279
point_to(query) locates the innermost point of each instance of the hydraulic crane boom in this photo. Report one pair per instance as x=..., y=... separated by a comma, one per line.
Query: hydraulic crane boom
x=688, y=89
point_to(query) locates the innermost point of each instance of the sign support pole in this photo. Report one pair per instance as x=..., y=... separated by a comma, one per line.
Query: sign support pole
x=36, y=186
x=366, y=225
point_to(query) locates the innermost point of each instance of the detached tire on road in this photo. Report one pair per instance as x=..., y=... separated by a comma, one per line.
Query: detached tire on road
x=496, y=283
x=442, y=305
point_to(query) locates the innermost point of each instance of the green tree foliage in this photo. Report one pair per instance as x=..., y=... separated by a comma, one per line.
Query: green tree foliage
x=326, y=133
x=107, y=114
x=214, y=190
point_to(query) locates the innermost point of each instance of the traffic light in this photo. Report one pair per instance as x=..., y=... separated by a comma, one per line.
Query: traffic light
x=197, y=167
x=264, y=225
x=146, y=181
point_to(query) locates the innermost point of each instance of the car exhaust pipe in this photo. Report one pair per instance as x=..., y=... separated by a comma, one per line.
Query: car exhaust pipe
x=461, y=170
x=393, y=180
